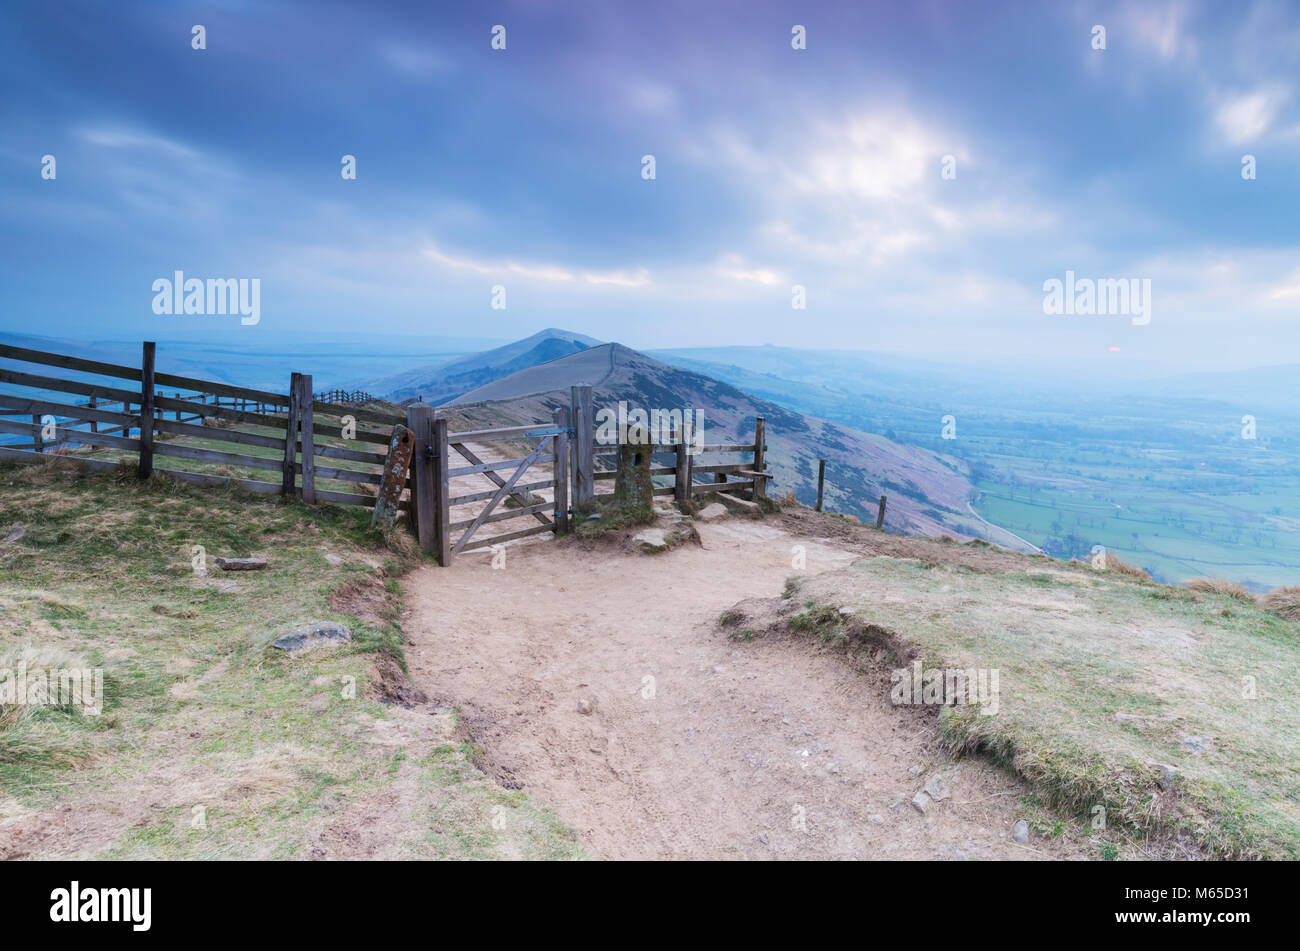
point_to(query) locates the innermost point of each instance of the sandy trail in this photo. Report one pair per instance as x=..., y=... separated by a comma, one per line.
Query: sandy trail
x=773, y=748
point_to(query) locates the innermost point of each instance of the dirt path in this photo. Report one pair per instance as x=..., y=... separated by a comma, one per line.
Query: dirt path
x=762, y=749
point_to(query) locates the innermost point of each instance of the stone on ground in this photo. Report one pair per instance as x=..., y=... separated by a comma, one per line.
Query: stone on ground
x=651, y=540
x=711, y=511
x=240, y=564
x=311, y=636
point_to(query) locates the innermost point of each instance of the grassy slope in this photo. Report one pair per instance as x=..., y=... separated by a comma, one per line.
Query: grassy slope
x=1075, y=647
x=200, y=712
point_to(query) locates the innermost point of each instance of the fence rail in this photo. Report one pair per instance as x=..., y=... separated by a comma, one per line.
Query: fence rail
x=204, y=423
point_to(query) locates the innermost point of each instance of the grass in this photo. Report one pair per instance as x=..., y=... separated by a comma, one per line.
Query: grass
x=1203, y=682
x=280, y=757
x=1221, y=586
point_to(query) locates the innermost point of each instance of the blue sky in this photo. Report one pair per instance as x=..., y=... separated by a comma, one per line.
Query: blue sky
x=819, y=167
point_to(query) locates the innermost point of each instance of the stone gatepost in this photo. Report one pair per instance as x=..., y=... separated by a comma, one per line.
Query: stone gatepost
x=633, y=487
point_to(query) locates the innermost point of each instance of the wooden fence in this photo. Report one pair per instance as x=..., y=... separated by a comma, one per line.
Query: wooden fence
x=202, y=424
x=344, y=397
x=209, y=433
x=569, y=444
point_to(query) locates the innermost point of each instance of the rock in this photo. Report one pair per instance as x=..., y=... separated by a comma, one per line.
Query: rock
x=1197, y=744
x=876, y=818
x=1165, y=774
x=230, y=587
x=736, y=503
x=585, y=707
x=651, y=540
x=937, y=789
x=1020, y=831
x=321, y=634
x=333, y=559
x=15, y=533
x=240, y=564
x=921, y=802
x=711, y=511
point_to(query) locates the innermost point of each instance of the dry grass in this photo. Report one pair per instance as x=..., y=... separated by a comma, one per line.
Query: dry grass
x=1115, y=563
x=1221, y=586
x=1284, y=601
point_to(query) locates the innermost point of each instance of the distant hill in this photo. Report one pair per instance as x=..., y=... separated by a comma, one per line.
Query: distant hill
x=439, y=383
x=928, y=493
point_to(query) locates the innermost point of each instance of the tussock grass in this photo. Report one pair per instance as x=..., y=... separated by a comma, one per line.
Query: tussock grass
x=1221, y=586
x=1120, y=566
x=1104, y=688
x=1284, y=601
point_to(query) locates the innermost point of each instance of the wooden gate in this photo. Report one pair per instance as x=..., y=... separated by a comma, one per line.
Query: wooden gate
x=438, y=458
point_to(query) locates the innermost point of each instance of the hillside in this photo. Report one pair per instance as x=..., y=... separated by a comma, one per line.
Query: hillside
x=1161, y=472
x=928, y=493
x=442, y=382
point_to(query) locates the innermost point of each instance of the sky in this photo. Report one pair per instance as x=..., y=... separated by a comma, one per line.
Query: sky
x=523, y=168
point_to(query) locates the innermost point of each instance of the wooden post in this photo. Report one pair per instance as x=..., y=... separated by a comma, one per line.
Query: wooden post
x=146, y=410
x=880, y=516
x=582, y=412
x=308, y=445
x=39, y=444
x=441, y=508
x=419, y=451
x=682, y=488
x=287, y=479
x=821, y=482
x=94, y=423
x=760, y=447
x=561, y=469
x=419, y=420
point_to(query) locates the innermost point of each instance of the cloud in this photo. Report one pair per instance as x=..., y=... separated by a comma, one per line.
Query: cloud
x=1162, y=28
x=1247, y=117
x=550, y=273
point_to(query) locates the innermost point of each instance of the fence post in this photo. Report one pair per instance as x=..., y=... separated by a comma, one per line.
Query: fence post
x=420, y=442
x=419, y=420
x=290, y=437
x=760, y=446
x=146, y=409
x=880, y=516
x=94, y=424
x=308, y=444
x=583, y=415
x=39, y=444
x=441, y=508
x=682, y=489
x=821, y=482
x=560, y=449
